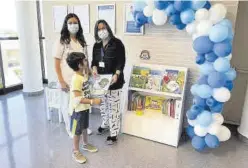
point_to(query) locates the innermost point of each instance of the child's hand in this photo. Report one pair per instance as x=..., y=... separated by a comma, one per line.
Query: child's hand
x=97, y=101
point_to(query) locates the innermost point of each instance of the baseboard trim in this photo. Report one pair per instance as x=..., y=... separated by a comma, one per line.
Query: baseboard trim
x=33, y=94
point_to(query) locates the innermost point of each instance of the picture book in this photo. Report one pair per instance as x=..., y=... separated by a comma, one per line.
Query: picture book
x=139, y=77
x=154, y=103
x=154, y=80
x=100, y=84
x=173, y=81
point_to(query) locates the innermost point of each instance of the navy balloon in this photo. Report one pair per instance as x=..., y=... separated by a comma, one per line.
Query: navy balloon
x=170, y=10
x=181, y=5
x=187, y=16
x=211, y=102
x=196, y=4
x=175, y=19
x=160, y=5
x=223, y=49
x=217, y=108
x=216, y=79
x=181, y=26
x=198, y=143
x=141, y=18
x=211, y=57
x=203, y=80
x=207, y=5
x=190, y=131
x=199, y=101
x=203, y=45
x=212, y=141
x=229, y=85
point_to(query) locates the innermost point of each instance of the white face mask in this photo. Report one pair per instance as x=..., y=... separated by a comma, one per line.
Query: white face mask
x=73, y=28
x=103, y=34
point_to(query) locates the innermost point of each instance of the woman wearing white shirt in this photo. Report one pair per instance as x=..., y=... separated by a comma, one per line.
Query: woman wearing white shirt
x=71, y=40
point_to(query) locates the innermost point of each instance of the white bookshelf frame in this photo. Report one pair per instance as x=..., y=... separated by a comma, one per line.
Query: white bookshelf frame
x=154, y=126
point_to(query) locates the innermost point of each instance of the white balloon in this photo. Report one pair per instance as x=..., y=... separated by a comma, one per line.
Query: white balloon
x=148, y=11
x=217, y=12
x=224, y=134
x=191, y=28
x=214, y=129
x=159, y=18
x=201, y=14
x=221, y=94
x=150, y=3
x=203, y=28
x=218, y=118
x=229, y=57
x=192, y=122
x=200, y=131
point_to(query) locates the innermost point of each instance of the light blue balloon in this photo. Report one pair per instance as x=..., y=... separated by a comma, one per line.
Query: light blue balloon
x=197, y=4
x=218, y=33
x=206, y=68
x=222, y=65
x=231, y=74
x=193, y=89
x=226, y=22
x=187, y=16
x=204, y=91
x=139, y=5
x=204, y=119
x=170, y=10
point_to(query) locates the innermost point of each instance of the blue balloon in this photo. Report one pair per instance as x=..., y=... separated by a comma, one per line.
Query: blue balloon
x=193, y=89
x=196, y=109
x=181, y=5
x=149, y=20
x=198, y=143
x=139, y=5
x=181, y=26
x=199, y=101
x=229, y=85
x=204, y=91
x=222, y=65
x=203, y=45
x=211, y=57
x=211, y=102
x=217, y=79
x=204, y=119
x=230, y=35
x=187, y=16
x=223, y=49
x=196, y=4
x=170, y=10
x=141, y=18
x=200, y=59
x=138, y=25
x=217, y=108
x=160, y=5
x=231, y=74
x=190, y=131
x=206, y=68
x=212, y=141
x=203, y=80
x=207, y=5
x=135, y=13
x=175, y=19
x=191, y=115
x=226, y=22
x=218, y=33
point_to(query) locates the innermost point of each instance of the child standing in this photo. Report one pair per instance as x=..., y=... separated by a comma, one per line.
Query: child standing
x=80, y=103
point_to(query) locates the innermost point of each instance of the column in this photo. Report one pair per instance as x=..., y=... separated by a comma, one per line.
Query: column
x=27, y=27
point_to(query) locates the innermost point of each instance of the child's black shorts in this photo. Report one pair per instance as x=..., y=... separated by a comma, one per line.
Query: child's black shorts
x=79, y=122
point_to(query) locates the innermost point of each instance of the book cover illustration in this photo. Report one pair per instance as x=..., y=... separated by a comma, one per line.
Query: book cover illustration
x=139, y=77
x=154, y=103
x=173, y=81
x=154, y=80
x=100, y=84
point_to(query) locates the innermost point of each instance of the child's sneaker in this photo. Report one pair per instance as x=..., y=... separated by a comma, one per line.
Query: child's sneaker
x=111, y=140
x=101, y=130
x=89, y=148
x=89, y=132
x=78, y=157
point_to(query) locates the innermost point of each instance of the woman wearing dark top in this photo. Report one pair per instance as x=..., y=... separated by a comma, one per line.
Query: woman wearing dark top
x=109, y=58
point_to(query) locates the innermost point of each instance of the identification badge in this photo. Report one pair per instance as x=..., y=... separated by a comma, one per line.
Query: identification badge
x=102, y=64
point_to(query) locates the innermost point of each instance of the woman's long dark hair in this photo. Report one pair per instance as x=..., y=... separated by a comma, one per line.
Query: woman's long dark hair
x=97, y=38
x=65, y=34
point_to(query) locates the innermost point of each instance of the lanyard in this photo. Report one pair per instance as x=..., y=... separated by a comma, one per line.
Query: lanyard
x=102, y=54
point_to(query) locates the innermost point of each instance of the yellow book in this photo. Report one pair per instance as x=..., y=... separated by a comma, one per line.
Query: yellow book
x=154, y=103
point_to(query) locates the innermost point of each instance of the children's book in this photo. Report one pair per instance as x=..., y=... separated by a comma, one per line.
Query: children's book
x=173, y=81
x=139, y=77
x=154, y=103
x=100, y=84
x=154, y=80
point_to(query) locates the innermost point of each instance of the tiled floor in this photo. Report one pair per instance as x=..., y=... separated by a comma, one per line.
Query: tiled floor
x=28, y=140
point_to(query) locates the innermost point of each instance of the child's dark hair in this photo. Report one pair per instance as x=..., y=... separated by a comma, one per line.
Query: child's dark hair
x=74, y=59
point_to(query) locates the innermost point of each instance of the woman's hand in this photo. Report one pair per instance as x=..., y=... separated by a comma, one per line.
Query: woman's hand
x=95, y=72
x=97, y=101
x=114, y=79
x=64, y=86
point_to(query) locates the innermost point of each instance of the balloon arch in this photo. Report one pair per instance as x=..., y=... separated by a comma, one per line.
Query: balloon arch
x=212, y=36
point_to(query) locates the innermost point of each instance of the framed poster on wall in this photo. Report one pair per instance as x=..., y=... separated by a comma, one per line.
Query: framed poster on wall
x=107, y=13
x=59, y=14
x=129, y=22
x=82, y=11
